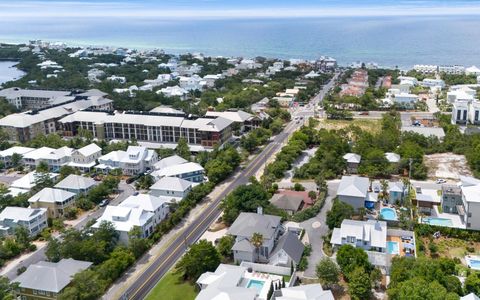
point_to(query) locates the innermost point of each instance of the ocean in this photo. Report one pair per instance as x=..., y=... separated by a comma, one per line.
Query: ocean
x=389, y=41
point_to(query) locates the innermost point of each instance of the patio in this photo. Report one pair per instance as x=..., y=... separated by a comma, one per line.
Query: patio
x=436, y=216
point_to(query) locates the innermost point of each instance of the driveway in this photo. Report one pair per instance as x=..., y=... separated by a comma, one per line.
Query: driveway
x=316, y=228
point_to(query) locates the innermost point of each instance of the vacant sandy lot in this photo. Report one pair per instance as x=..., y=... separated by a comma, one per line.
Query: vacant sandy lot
x=447, y=165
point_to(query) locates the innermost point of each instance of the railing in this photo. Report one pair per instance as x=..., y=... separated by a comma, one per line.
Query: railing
x=267, y=268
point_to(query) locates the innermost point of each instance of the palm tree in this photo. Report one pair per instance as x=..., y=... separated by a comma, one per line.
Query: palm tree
x=257, y=241
x=384, y=185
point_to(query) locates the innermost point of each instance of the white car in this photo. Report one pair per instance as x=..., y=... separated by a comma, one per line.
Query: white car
x=440, y=181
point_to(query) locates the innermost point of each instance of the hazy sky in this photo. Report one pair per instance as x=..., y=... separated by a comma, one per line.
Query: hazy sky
x=233, y=8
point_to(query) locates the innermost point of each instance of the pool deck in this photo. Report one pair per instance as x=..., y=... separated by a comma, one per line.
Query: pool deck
x=456, y=220
x=398, y=240
x=468, y=258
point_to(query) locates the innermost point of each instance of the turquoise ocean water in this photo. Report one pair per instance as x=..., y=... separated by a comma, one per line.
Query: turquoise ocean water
x=389, y=41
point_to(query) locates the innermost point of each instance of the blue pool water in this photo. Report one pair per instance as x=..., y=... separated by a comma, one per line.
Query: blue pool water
x=474, y=264
x=256, y=284
x=392, y=248
x=438, y=222
x=388, y=214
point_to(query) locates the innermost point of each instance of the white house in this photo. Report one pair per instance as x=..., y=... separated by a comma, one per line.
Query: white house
x=353, y=190
x=134, y=161
x=189, y=171
x=169, y=161
x=34, y=220
x=119, y=79
x=210, y=79
x=369, y=235
x=243, y=229
x=405, y=99
x=452, y=69
x=304, y=292
x=156, y=205
x=430, y=82
x=471, y=203
x=460, y=112
x=426, y=69
x=473, y=70
x=125, y=218
x=55, y=158
x=192, y=83
x=6, y=155
x=174, y=91
x=352, y=160
x=76, y=184
x=172, y=187
x=26, y=183
x=85, y=158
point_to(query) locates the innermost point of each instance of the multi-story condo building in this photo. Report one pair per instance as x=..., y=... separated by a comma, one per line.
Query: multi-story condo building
x=449, y=69
x=149, y=127
x=426, y=69
x=464, y=112
x=35, y=99
x=34, y=220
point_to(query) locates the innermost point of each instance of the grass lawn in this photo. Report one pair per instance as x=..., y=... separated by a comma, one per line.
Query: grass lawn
x=171, y=287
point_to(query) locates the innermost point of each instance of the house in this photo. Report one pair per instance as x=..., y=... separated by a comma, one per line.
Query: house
x=54, y=158
x=392, y=158
x=156, y=205
x=34, y=220
x=171, y=187
x=426, y=69
x=430, y=82
x=6, y=155
x=76, y=184
x=352, y=160
x=470, y=296
x=169, y=161
x=45, y=280
x=405, y=99
x=243, y=229
x=174, y=91
x=134, y=161
x=288, y=203
x=85, y=158
x=303, y=292
x=369, y=235
x=353, y=190
x=395, y=189
x=460, y=112
x=426, y=203
x=125, y=218
x=191, y=83
x=471, y=203
x=452, y=201
x=27, y=182
x=54, y=200
x=189, y=171
x=473, y=70
x=288, y=251
x=227, y=282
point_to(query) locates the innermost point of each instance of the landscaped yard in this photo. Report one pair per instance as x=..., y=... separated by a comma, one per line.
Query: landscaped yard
x=171, y=287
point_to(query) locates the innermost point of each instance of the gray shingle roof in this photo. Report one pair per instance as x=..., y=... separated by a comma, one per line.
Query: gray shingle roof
x=247, y=224
x=290, y=243
x=51, y=277
x=287, y=202
x=75, y=182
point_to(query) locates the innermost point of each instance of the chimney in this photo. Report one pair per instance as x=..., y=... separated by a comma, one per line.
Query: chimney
x=260, y=210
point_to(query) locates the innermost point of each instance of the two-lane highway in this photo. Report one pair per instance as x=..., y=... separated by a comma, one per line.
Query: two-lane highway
x=149, y=278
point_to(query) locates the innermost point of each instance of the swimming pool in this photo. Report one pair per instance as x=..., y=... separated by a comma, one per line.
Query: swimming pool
x=392, y=248
x=388, y=214
x=256, y=284
x=438, y=221
x=473, y=263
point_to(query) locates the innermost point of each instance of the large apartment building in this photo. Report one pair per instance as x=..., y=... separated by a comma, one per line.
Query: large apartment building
x=35, y=99
x=149, y=127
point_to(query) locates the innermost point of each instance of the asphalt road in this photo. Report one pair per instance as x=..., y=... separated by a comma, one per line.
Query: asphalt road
x=147, y=280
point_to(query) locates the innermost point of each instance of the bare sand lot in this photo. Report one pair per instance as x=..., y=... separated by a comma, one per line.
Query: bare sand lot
x=447, y=165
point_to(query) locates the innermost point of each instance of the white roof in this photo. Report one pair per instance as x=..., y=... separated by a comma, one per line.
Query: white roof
x=471, y=193
x=355, y=186
x=124, y=218
x=470, y=296
x=172, y=184
x=16, y=149
x=28, y=181
x=372, y=231
x=89, y=149
x=38, y=153
x=392, y=157
x=21, y=213
x=145, y=201
x=306, y=292
x=352, y=158
x=174, y=170
x=14, y=92
x=51, y=195
x=170, y=161
x=235, y=116
x=75, y=182
x=167, y=110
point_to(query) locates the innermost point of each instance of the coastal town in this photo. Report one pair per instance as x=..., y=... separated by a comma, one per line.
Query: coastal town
x=140, y=174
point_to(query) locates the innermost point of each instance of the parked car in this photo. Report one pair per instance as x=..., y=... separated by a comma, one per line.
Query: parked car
x=104, y=202
x=440, y=181
x=364, y=113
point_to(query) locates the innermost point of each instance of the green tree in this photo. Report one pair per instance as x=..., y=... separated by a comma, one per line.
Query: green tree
x=327, y=272
x=340, y=211
x=22, y=236
x=6, y=288
x=53, y=251
x=472, y=283
x=136, y=243
x=312, y=195
x=66, y=170
x=359, y=284
x=145, y=182
x=349, y=258
x=200, y=258
x=182, y=149
x=245, y=198
x=86, y=285
x=16, y=160
x=42, y=167
x=224, y=246
x=257, y=241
